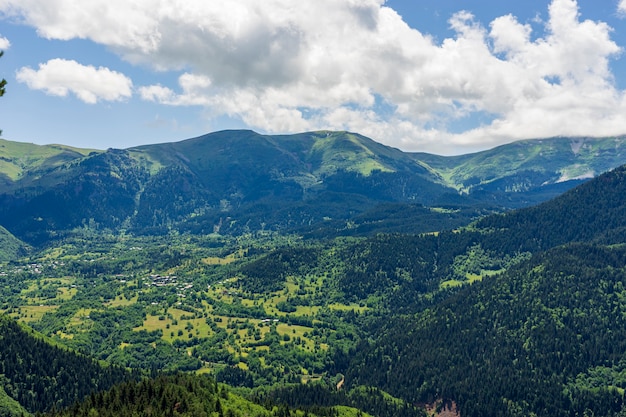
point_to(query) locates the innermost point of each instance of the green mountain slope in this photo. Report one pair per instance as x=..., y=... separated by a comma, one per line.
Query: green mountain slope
x=40, y=376
x=533, y=341
x=241, y=161
x=316, y=153
x=231, y=182
x=24, y=162
x=10, y=246
x=594, y=211
x=544, y=338
x=319, y=183
x=516, y=170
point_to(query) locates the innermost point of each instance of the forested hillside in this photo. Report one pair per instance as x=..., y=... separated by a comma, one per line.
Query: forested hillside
x=177, y=395
x=10, y=246
x=594, y=211
x=40, y=376
x=317, y=289
x=199, y=395
x=547, y=337
x=543, y=338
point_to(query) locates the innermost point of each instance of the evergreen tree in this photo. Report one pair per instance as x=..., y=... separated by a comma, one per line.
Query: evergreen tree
x=3, y=83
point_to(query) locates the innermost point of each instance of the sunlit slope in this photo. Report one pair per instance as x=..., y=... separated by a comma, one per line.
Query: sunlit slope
x=304, y=157
x=23, y=161
x=528, y=164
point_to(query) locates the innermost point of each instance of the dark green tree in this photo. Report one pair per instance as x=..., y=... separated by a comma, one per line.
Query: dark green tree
x=3, y=83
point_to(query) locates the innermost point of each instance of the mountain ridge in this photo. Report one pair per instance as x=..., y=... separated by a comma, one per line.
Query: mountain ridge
x=238, y=181
x=466, y=170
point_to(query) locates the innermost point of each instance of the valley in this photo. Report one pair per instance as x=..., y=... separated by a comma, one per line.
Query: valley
x=319, y=274
x=186, y=300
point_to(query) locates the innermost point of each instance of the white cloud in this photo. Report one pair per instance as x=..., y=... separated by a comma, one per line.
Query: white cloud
x=159, y=94
x=621, y=7
x=4, y=43
x=195, y=92
x=287, y=65
x=59, y=77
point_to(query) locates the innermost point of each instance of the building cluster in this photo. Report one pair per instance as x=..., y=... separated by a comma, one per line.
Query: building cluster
x=162, y=280
x=33, y=268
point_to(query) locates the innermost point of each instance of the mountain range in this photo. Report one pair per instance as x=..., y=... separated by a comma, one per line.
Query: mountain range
x=500, y=312
x=322, y=183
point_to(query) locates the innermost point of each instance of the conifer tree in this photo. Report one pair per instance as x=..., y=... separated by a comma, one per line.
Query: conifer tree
x=3, y=83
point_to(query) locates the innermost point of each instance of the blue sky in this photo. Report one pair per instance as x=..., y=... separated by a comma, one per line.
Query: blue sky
x=438, y=76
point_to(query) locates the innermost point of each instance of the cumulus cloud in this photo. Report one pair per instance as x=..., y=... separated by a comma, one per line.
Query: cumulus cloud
x=59, y=77
x=285, y=65
x=4, y=43
x=195, y=91
x=621, y=7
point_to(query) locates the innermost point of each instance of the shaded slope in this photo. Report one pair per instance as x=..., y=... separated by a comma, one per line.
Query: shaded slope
x=521, y=343
x=40, y=376
x=545, y=338
x=96, y=191
x=594, y=211
x=11, y=247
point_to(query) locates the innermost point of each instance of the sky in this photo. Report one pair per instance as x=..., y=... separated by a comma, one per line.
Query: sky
x=439, y=76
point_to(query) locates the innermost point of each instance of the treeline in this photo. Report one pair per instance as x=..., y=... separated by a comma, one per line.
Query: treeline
x=40, y=376
x=182, y=395
x=320, y=398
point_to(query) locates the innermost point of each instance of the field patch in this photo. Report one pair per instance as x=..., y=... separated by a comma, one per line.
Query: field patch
x=29, y=314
